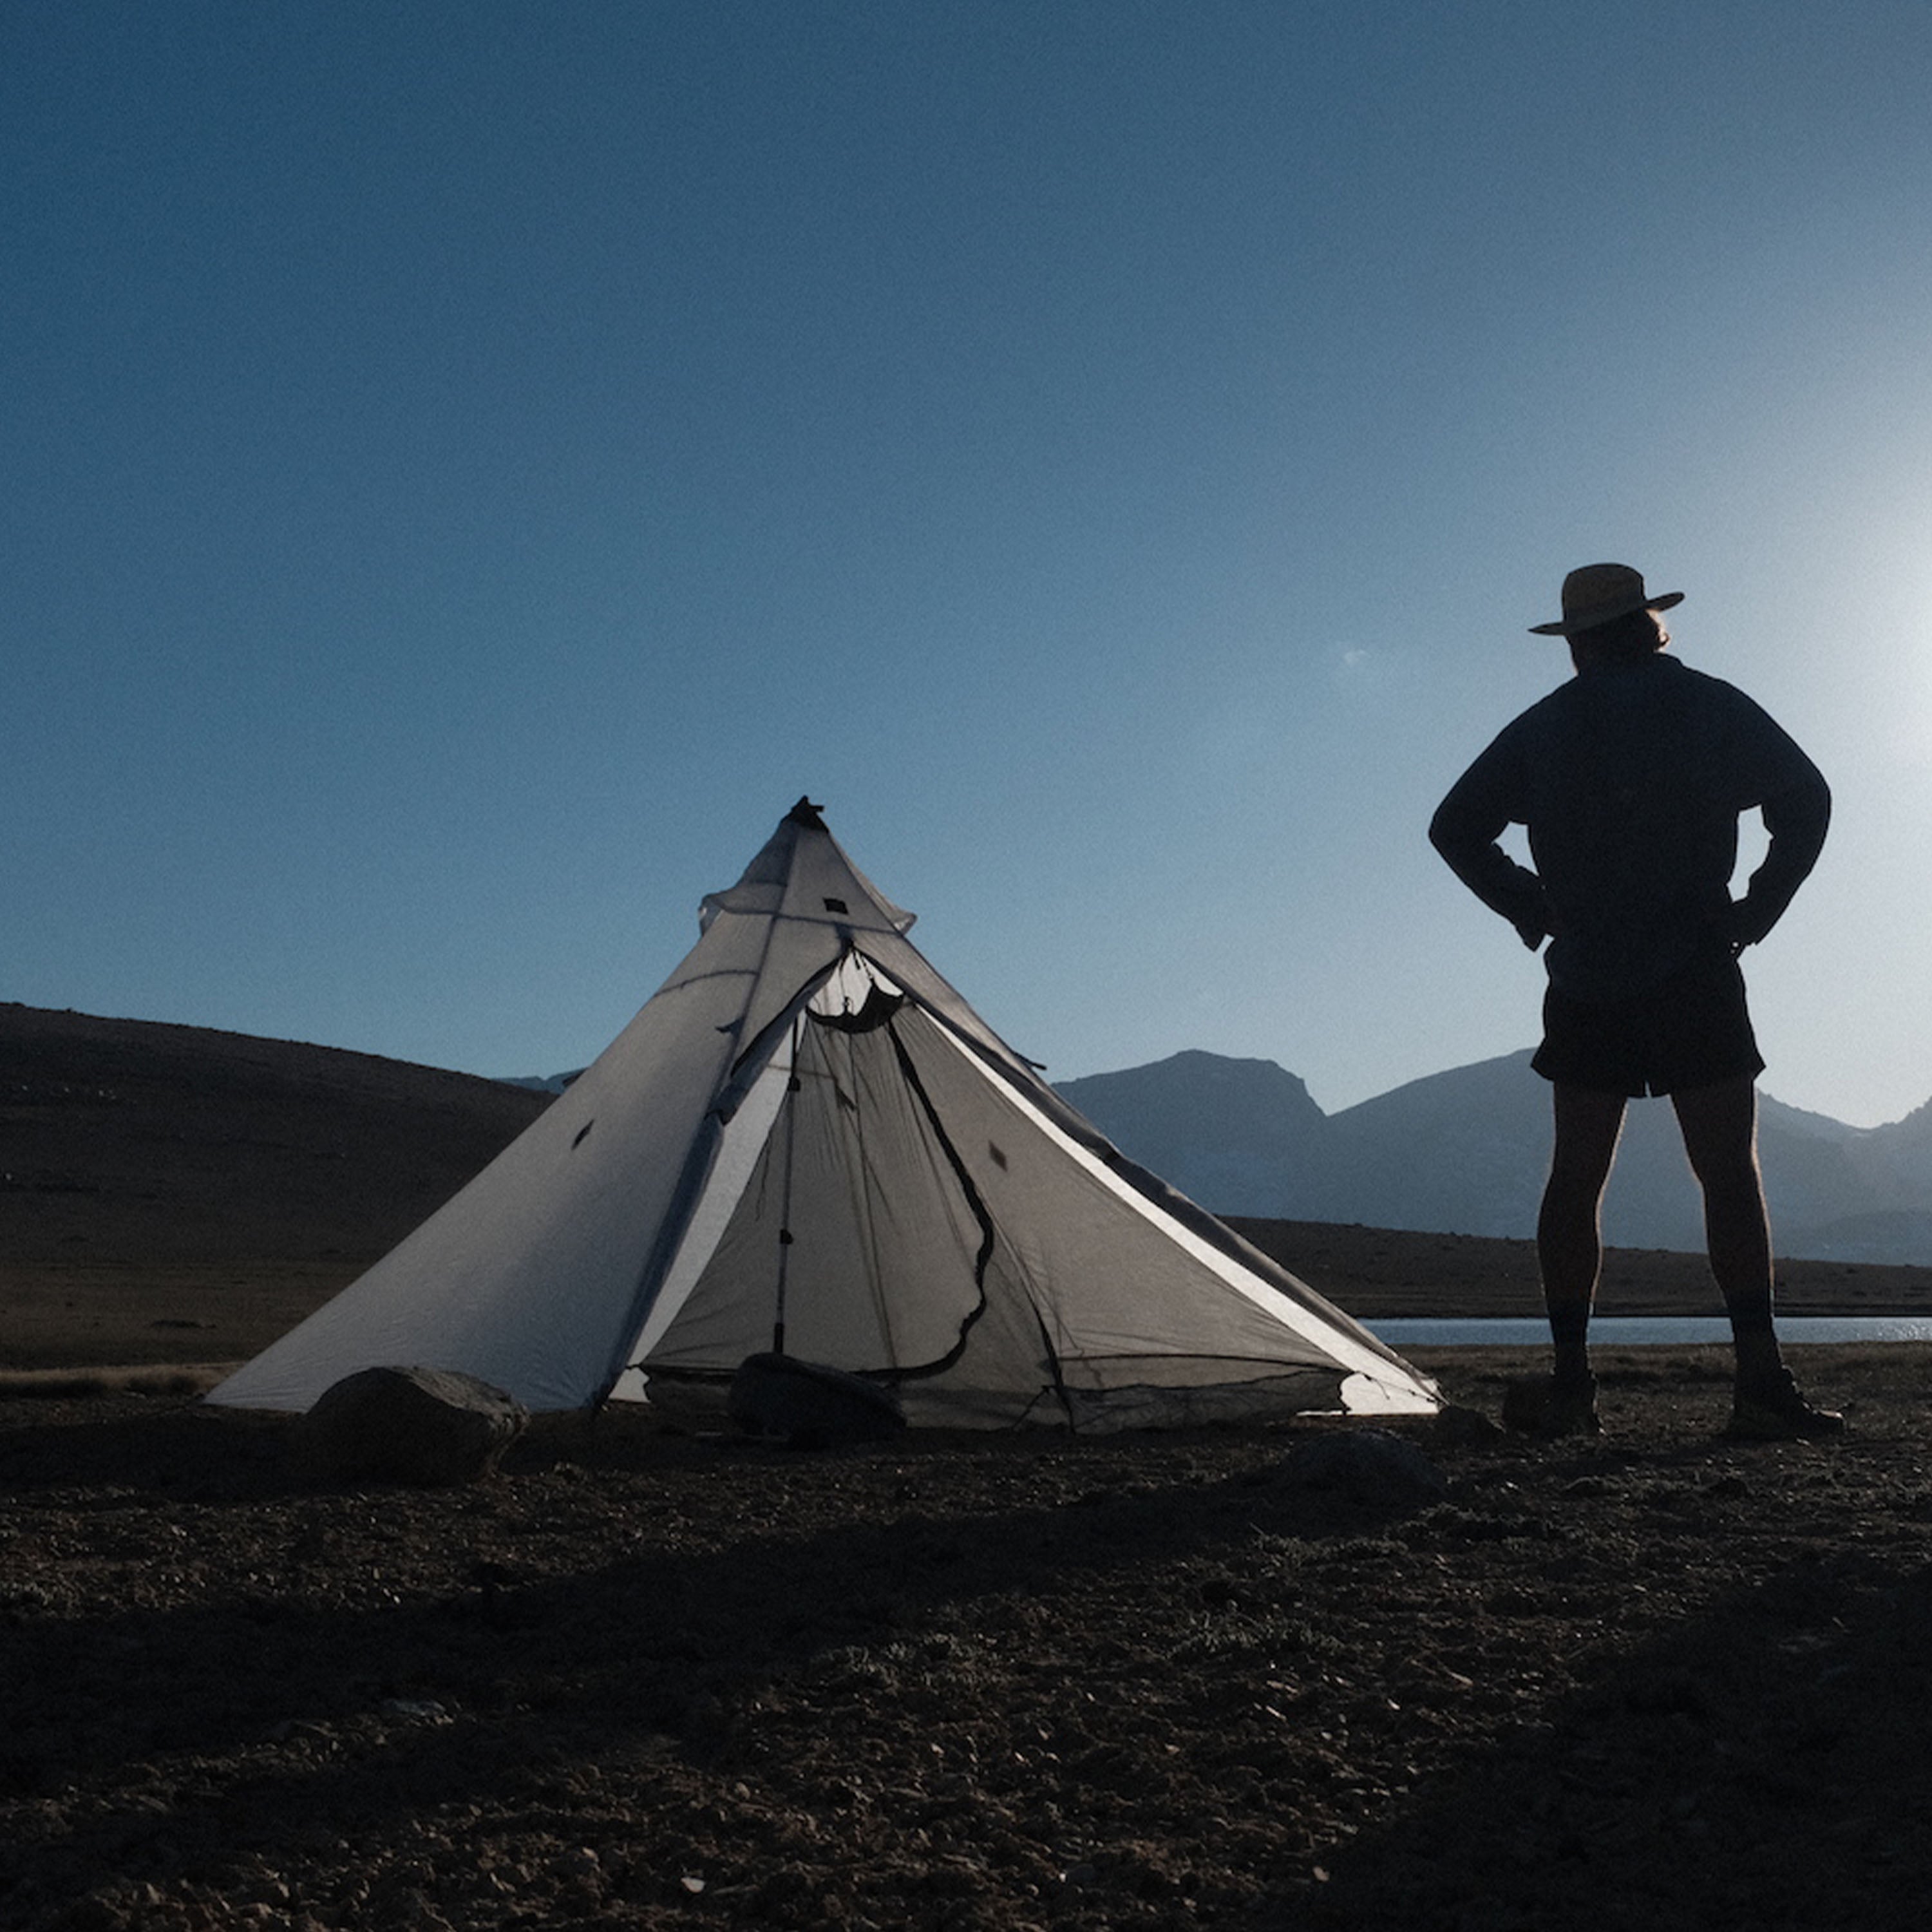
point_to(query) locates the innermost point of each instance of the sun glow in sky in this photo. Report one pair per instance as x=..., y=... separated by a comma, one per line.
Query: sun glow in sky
x=472, y=465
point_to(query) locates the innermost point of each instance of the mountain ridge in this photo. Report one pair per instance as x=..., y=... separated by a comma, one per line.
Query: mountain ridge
x=1464, y=1151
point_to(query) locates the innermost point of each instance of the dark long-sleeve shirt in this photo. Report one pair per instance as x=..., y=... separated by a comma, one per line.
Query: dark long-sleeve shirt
x=1631, y=779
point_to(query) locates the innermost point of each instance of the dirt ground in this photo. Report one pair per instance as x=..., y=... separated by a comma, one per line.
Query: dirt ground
x=651, y=1680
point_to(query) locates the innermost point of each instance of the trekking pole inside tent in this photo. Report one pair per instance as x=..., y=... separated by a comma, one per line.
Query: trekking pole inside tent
x=784, y=1206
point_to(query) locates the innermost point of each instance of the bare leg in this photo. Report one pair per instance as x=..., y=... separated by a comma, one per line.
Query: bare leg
x=1719, y=1128
x=1569, y=1228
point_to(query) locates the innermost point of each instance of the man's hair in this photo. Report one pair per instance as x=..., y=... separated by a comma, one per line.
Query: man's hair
x=1630, y=638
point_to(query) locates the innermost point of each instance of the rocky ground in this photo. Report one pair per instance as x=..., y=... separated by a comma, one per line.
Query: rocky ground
x=652, y=1680
x=644, y=1679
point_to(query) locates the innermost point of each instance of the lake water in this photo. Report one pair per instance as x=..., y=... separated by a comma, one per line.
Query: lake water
x=1646, y=1331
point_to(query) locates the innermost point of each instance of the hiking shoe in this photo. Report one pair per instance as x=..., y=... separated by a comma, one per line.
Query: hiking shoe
x=1772, y=1409
x=1551, y=1407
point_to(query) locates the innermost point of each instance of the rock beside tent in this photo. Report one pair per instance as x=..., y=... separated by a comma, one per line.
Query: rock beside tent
x=1222, y=1678
x=435, y=1428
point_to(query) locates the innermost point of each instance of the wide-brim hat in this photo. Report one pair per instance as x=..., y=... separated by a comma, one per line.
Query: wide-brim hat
x=1598, y=593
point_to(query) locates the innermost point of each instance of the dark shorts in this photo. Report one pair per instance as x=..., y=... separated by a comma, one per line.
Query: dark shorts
x=1693, y=1030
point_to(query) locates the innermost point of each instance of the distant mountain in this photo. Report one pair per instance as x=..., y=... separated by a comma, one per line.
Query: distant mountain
x=1219, y=1130
x=540, y=1083
x=1465, y=1152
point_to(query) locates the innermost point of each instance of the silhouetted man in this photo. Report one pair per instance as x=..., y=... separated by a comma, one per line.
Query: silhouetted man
x=1630, y=778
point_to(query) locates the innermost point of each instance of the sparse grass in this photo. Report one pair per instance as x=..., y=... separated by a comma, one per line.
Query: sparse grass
x=1263, y=1640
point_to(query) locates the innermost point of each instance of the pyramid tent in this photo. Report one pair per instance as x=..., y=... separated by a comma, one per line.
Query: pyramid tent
x=807, y=1141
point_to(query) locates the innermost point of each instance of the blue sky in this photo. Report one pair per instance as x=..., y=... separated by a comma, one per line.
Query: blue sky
x=471, y=466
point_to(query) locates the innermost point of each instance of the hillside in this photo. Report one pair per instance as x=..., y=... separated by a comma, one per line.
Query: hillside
x=242, y=1180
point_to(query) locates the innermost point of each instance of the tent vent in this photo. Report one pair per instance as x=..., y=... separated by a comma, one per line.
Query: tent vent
x=837, y=906
x=577, y=1141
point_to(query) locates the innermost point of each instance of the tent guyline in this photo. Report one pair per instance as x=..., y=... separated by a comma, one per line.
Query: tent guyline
x=807, y=1142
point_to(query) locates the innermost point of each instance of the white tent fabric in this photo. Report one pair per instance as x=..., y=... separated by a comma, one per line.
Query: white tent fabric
x=808, y=1142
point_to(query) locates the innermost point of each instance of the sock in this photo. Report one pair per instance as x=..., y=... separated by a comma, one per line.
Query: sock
x=1754, y=1339
x=1569, y=1334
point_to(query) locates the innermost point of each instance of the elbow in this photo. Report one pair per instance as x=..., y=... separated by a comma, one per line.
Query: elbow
x=1815, y=807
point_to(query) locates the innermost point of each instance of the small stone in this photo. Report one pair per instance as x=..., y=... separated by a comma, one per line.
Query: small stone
x=1367, y=1467
x=812, y=1406
x=1457, y=1427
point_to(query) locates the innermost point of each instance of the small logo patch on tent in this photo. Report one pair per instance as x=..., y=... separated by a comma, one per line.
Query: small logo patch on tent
x=838, y=905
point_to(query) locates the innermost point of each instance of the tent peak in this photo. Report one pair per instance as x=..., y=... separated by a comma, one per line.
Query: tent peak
x=807, y=814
